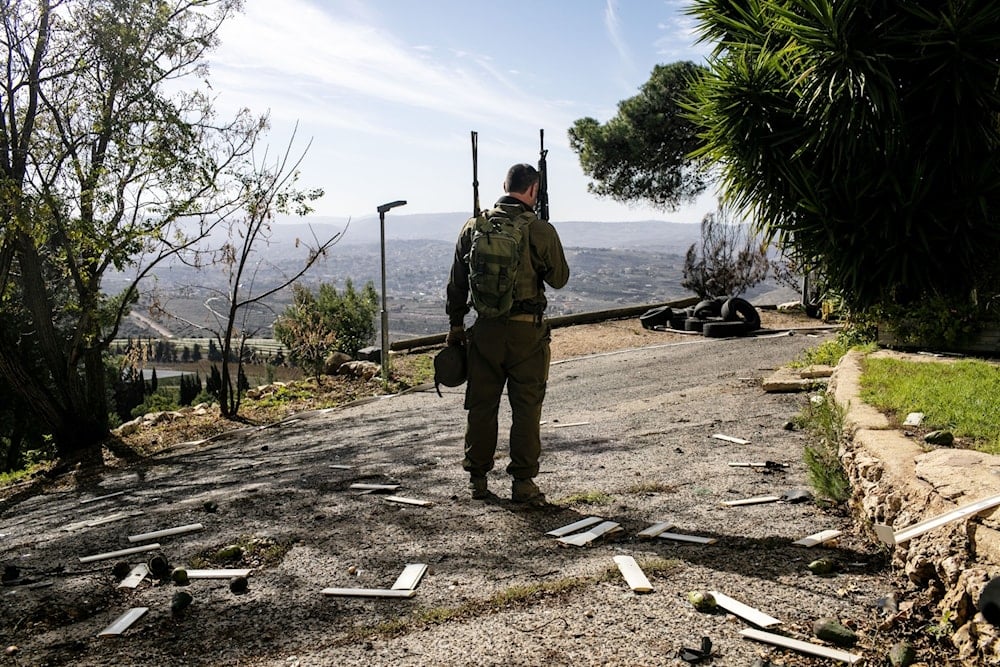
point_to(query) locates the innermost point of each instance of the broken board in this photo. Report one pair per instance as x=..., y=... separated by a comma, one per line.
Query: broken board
x=654, y=530
x=409, y=501
x=166, y=532
x=817, y=538
x=410, y=577
x=374, y=487
x=568, y=425
x=634, y=576
x=729, y=438
x=756, y=500
x=695, y=539
x=575, y=526
x=122, y=552
x=218, y=574
x=801, y=646
x=369, y=592
x=104, y=497
x=123, y=622
x=746, y=612
x=890, y=537
x=133, y=578
x=586, y=537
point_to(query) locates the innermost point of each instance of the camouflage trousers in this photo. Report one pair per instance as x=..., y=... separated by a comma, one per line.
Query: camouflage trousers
x=516, y=354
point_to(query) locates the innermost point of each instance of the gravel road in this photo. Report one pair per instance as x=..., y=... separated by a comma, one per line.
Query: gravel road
x=627, y=437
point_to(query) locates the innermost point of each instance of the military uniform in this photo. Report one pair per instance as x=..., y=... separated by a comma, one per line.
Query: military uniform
x=511, y=350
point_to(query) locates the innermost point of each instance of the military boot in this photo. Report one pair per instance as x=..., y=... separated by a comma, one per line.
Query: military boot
x=526, y=491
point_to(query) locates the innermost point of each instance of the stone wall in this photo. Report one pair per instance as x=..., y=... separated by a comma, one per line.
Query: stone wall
x=898, y=482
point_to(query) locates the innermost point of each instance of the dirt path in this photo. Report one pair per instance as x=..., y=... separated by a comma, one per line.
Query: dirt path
x=628, y=438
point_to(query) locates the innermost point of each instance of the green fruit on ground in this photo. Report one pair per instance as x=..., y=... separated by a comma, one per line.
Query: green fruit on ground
x=831, y=630
x=230, y=552
x=179, y=576
x=821, y=566
x=701, y=600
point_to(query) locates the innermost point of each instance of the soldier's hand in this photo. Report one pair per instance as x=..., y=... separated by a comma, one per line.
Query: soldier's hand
x=456, y=336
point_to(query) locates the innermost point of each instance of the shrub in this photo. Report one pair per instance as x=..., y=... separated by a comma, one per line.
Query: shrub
x=823, y=419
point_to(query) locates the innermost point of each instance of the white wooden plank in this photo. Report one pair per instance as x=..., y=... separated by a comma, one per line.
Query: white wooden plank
x=369, y=592
x=654, y=530
x=757, y=464
x=410, y=577
x=117, y=516
x=680, y=537
x=756, y=500
x=634, y=576
x=339, y=466
x=817, y=538
x=746, y=612
x=134, y=577
x=916, y=529
x=218, y=574
x=104, y=497
x=801, y=646
x=166, y=532
x=575, y=526
x=729, y=438
x=570, y=424
x=123, y=622
x=580, y=539
x=122, y=552
x=409, y=501
x=914, y=419
x=374, y=487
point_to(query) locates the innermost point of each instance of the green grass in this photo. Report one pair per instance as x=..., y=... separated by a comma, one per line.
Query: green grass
x=587, y=498
x=962, y=397
x=830, y=352
x=823, y=419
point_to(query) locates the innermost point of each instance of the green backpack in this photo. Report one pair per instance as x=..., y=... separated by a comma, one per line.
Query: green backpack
x=497, y=243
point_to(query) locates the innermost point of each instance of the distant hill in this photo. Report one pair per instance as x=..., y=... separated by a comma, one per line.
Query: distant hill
x=673, y=237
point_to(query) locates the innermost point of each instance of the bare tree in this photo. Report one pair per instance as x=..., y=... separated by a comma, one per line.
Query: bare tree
x=730, y=259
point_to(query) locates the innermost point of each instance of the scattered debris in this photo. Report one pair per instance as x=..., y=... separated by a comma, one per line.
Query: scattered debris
x=123, y=552
x=655, y=530
x=180, y=602
x=914, y=419
x=702, y=600
x=575, y=526
x=374, y=487
x=104, y=497
x=797, y=496
x=158, y=566
x=817, y=538
x=729, y=438
x=940, y=438
x=890, y=537
x=822, y=566
x=133, y=578
x=90, y=523
x=634, y=576
x=409, y=501
x=410, y=577
x=217, y=574
x=746, y=612
x=123, y=622
x=902, y=654
x=157, y=534
x=831, y=630
x=369, y=592
x=766, y=465
x=338, y=466
x=229, y=552
x=801, y=646
x=579, y=539
x=696, y=655
x=569, y=424
x=179, y=576
x=756, y=500
x=678, y=537
x=239, y=585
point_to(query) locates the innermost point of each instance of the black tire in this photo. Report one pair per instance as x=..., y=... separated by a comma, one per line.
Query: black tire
x=724, y=329
x=678, y=322
x=656, y=317
x=708, y=308
x=741, y=310
x=693, y=324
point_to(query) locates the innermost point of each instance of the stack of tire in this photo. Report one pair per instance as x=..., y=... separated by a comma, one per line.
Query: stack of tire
x=718, y=317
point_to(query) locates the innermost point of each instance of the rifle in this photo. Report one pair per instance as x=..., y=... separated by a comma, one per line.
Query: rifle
x=475, y=173
x=542, y=202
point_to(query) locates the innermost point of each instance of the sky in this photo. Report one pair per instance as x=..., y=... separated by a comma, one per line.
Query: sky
x=385, y=93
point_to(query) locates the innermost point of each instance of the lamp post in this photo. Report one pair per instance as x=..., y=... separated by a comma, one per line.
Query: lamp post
x=384, y=352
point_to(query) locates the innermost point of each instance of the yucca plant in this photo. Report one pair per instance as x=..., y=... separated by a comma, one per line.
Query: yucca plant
x=864, y=136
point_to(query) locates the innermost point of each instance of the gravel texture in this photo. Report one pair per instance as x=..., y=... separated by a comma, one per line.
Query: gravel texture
x=627, y=437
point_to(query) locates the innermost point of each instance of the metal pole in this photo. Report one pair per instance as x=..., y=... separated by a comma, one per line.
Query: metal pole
x=384, y=351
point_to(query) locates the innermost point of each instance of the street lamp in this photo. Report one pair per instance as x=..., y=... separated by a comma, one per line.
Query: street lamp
x=384, y=352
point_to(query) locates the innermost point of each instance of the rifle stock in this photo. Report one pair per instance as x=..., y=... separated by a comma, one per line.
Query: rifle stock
x=542, y=202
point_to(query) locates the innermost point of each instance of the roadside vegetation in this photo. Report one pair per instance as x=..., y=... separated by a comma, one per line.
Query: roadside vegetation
x=961, y=396
x=823, y=419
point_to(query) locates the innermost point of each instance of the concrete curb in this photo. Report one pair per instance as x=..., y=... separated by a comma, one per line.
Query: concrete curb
x=895, y=481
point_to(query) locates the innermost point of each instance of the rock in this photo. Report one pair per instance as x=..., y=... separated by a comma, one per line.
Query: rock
x=365, y=370
x=180, y=602
x=239, y=585
x=831, y=630
x=11, y=650
x=334, y=361
x=902, y=654
x=940, y=438
x=822, y=566
x=230, y=552
x=701, y=600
